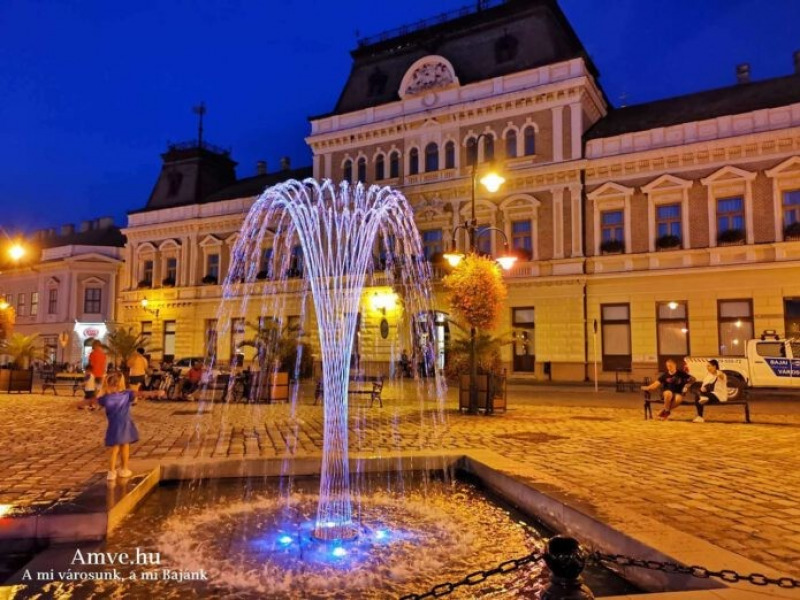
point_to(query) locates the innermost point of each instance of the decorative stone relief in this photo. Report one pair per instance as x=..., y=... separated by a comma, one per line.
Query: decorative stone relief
x=431, y=72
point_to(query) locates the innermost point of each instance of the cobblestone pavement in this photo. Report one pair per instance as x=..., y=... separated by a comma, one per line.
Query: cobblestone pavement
x=733, y=484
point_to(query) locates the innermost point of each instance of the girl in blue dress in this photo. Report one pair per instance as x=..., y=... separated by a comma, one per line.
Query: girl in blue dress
x=121, y=432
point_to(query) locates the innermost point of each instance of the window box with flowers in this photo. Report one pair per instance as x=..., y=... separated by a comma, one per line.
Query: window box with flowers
x=523, y=254
x=209, y=280
x=168, y=282
x=612, y=247
x=792, y=232
x=145, y=284
x=730, y=237
x=261, y=275
x=668, y=242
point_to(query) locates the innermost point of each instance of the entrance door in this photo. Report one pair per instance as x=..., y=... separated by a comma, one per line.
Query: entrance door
x=524, y=350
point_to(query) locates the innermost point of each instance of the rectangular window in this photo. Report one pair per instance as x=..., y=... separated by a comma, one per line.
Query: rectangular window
x=524, y=351
x=237, y=336
x=672, y=327
x=212, y=266
x=431, y=242
x=22, y=308
x=147, y=330
x=147, y=270
x=668, y=220
x=265, y=267
x=730, y=214
x=791, y=315
x=91, y=300
x=483, y=240
x=210, y=338
x=10, y=299
x=612, y=226
x=616, y=332
x=34, y=303
x=296, y=262
x=52, y=302
x=172, y=269
x=735, y=322
x=168, y=337
x=521, y=238
x=791, y=207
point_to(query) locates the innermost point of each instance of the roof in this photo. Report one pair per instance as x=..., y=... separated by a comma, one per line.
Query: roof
x=730, y=100
x=254, y=186
x=245, y=188
x=110, y=236
x=513, y=36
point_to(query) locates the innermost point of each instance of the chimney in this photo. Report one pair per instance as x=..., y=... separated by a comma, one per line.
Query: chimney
x=743, y=73
x=796, y=55
x=105, y=222
x=67, y=230
x=261, y=167
x=85, y=226
x=285, y=163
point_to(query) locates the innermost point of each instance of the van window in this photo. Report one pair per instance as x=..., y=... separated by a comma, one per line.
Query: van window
x=795, y=349
x=771, y=349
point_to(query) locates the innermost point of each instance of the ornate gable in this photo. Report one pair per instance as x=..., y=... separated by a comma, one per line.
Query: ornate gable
x=428, y=73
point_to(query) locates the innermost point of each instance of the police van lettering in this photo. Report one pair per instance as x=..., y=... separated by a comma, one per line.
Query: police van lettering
x=783, y=367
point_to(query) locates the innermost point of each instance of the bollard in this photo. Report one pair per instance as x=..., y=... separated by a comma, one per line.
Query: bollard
x=565, y=558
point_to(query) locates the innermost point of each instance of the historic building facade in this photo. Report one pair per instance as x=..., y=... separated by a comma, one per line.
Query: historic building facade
x=649, y=231
x=67, y=291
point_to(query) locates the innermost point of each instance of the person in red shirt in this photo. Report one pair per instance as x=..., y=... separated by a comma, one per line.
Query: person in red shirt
x=192, y=382
x=95, y=374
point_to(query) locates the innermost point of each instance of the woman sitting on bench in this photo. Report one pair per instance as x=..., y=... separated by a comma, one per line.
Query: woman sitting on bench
x=673, y=382
x=713, y=390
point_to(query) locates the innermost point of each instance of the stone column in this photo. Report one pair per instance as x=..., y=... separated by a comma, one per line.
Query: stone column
x=558, y=133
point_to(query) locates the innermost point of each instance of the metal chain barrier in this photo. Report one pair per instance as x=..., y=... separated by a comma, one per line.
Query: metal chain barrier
x=477, y=577
x=728, y=575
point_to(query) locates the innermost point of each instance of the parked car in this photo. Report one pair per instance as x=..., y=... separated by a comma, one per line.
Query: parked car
x=768, y=362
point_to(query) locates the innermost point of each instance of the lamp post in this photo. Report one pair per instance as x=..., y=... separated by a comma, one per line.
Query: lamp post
x=152, y=311
x=492, y=182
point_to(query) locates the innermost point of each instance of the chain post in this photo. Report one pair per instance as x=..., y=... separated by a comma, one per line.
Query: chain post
x=566, y=559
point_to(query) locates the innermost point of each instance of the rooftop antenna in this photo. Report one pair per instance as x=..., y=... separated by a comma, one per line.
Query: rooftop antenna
x=200, y=110
x=623, y=99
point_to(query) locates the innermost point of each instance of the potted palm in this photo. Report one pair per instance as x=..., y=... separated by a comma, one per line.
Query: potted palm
x=23, y=350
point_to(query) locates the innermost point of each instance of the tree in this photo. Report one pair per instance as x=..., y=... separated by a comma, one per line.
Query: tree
x=22, y=349
x=476, y=291
x=122, y=343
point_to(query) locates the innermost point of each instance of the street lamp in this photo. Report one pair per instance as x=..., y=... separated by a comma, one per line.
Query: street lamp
x=152, y=311
x=16, y=252
x=492, y=182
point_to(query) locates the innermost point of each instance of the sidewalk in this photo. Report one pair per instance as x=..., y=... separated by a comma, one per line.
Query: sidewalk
x=733, y=484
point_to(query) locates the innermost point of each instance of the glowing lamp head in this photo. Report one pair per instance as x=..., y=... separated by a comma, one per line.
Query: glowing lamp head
x=453, y=258
x=672, y=305
x=4, y=305
x=144, y=303
x=492, y=181
x=506, y=261
x=285, y=540
x=339, y=552
x=16, y=252
x=381, y=534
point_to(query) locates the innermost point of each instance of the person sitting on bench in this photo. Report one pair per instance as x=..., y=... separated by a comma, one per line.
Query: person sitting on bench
x=673, y=382
x=713, y=390
x=192, y=382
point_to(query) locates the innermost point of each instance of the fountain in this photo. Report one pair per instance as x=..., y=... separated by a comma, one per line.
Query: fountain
x=339, y=230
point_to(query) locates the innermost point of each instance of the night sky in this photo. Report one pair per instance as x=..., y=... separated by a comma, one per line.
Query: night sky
x=91, y=90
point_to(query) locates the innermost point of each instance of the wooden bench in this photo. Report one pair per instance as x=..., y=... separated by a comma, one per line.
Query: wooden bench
x=648, y=400
x=369, y=385
x=54, y=381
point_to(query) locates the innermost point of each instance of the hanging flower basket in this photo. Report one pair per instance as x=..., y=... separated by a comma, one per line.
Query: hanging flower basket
x=731, y=237
x=612, y=247
x=667, y=242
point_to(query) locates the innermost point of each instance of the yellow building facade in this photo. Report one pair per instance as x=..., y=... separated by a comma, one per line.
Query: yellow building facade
x=645, y=232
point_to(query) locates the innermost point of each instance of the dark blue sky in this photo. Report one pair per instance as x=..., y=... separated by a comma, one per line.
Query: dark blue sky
x=91, y=90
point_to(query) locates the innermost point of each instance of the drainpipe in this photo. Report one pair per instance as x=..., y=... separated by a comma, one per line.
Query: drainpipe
x=583, y=271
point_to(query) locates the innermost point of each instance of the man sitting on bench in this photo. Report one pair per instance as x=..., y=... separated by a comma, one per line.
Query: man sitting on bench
x=673, y=382
x=713, y=390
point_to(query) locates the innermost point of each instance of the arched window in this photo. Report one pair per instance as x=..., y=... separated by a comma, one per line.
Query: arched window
x=362, y=169
x=394, y=165
x=413, y=162
x=450, y=155
x=347, y=174
x=488, y=147
x=380, y=168
x=472, y=151
x=530, y=141
x=511, y=144
x=431, y=157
